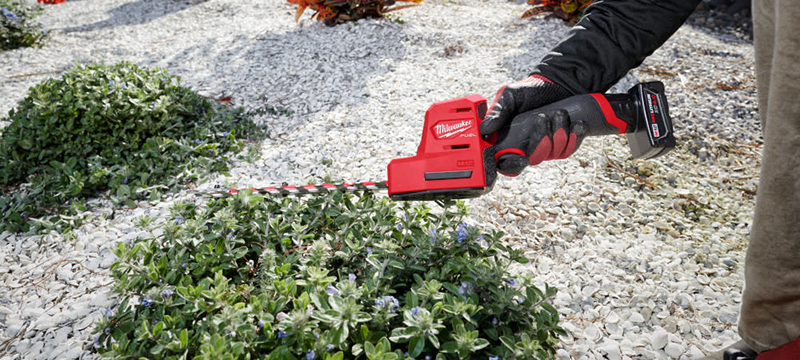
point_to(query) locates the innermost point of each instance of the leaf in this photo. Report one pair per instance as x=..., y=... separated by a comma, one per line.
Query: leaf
x=449, y=347
x=452, y=288
x=480, y=344
x=416, y=346
x=299, y=12
x=508, y=343
x=184, y=338
x=364, y=332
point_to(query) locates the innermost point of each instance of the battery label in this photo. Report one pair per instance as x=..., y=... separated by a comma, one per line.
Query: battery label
x=658, y=128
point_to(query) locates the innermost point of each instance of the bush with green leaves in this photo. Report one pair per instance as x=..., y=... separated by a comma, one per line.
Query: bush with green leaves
x=17, y=26
x=129, y=131
x=332, y=277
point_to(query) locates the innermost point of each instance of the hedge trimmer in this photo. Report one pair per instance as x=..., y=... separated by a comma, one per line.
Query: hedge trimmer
x=454, y=161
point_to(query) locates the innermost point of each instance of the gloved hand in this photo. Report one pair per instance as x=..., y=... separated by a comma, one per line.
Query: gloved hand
x=533, y=137
x=516, y=99
x=533, y=92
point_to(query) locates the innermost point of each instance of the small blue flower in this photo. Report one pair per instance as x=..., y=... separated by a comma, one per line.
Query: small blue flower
x=433, y=234
x=184, y=265
x=146, y=302
x=352, y=278
x=494, y=358
x=107, y=331
x=461, y=234
x=316, y=335
x=97, y=343
x=224, y=133
x=415, y=311
x=125, y=181
x=10, y=15
x=399, y=226
x=480, y=238
x=167, y=293
x=409, y=356
x=282, y=334
x=391, y=300
x=109, y=313
x=369, y=250
x=152, y=104
x=178, y=220
x=111, y=83
x=510, y=282
x=520, y=300
x=261, y=324
x=311, y=355
x=464, y=289
x=332, y=290
x=380, y=302
x=428, y=356
x=232, y=334
x=494, y=321
x=330, y=347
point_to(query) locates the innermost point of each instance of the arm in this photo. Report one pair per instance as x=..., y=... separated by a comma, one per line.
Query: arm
x=613, y=37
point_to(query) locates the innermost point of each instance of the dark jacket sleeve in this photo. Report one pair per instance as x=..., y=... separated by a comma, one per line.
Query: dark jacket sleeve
x=613, y=37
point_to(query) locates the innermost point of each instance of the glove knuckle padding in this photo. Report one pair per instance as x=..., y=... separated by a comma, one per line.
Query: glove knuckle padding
x=519, y=97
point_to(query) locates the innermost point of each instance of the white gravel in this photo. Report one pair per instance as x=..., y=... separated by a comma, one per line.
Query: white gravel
x=648, y=266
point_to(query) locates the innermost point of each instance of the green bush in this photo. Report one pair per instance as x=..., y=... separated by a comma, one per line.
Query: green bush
x=17, y=28
x=129, y=130
x=329, y=278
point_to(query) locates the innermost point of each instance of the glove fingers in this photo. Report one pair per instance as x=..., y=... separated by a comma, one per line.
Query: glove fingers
x=578, y=133
x=540, y=146
x=562, y=137
x=499, y=112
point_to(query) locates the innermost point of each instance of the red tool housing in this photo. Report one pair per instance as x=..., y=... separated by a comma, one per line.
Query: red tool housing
x=449, y=162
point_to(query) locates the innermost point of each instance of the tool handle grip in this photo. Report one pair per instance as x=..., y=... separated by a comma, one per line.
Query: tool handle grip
x=601, y=114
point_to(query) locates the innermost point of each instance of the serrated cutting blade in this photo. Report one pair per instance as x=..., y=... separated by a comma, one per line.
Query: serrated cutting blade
x=311, y=189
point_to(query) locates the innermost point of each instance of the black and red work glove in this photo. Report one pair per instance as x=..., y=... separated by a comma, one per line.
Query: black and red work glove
x=533, y=137
x=547, y=138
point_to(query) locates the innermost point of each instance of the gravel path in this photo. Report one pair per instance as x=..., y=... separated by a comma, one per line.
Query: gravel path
x=647, y=255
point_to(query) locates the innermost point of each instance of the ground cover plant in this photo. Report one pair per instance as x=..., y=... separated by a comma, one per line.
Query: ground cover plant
x=334, y=277
x=333, y=12
x=568, y=10
x=120, y=130
x=17, y=25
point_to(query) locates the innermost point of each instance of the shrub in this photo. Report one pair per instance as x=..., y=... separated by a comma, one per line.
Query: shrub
x=17, y=28
x=334, y=12
x=129, y=130
x=334, y=277
x=568, y=10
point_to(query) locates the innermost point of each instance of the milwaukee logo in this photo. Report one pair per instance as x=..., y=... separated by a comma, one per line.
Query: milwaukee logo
x=445, y=130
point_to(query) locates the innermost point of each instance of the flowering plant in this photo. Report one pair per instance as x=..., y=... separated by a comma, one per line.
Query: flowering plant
x=569, y=10
x=129, y=130
x=335, y=277
x=334, y=12
x=17, y=28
